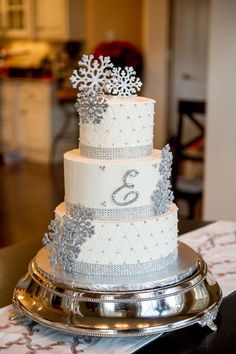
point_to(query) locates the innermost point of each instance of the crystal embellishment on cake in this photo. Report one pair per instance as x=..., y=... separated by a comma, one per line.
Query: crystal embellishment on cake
x=91, y=106
x=66, y=236
x=163, y=195
x=133, y=194
x=123, y=82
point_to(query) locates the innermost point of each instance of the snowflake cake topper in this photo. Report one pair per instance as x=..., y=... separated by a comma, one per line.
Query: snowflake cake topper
x=66, y=236
x=123, y=82
x=163, y=195
x=94, y=79
x=93, y=73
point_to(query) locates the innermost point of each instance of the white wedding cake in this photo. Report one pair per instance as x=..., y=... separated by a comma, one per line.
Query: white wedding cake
x=118, y=218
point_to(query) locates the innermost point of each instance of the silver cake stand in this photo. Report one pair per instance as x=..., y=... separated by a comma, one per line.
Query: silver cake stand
x=179, y=296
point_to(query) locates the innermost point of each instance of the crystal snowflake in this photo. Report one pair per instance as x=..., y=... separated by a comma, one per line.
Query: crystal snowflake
x=91, y=106
x=66, y=236
x=123, y=82
x=166, y=162
x=163, y=195
x=93, y=73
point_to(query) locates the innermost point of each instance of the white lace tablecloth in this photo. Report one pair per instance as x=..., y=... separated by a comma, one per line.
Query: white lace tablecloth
x=215, y=242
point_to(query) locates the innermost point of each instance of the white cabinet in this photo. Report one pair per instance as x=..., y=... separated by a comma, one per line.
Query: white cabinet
x=42, y=19
x=16, y=18
x=9, y=136
x=34, y=115
x=59, y=19
x=30, y=118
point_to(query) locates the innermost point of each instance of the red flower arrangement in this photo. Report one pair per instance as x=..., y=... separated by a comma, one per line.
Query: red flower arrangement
x=122, y=53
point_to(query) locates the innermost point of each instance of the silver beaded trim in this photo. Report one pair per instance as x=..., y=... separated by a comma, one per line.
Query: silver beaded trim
x=124, y=213
x=123, y=270
x=103, y=153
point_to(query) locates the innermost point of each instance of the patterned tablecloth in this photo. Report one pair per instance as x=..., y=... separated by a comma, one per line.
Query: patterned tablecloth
x=215, y=242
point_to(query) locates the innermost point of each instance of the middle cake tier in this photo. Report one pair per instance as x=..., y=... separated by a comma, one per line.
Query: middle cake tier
x=112, y=189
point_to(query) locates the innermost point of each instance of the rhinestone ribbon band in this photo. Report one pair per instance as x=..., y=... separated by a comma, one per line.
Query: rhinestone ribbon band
x=102, y=153
x=119, y=214
x=123, y=270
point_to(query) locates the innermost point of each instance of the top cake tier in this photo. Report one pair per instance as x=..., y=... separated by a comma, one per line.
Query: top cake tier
x=125, y=131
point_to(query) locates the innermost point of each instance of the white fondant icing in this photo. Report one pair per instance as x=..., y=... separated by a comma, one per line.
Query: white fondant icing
x=91, y=182
x=128, y=122
x=129, y=242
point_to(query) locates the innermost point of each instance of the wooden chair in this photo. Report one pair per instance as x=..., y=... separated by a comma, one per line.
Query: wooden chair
x=184, y=188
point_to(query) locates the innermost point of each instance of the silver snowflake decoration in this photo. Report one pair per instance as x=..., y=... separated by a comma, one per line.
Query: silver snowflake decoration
x=66, y=236
x=163, y=195
x=166, y=161
x=91, y=106
x=123, y=82
x=92, y=74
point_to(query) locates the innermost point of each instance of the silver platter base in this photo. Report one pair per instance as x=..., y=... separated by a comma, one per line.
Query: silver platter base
x=182, y=267
x=181, y=295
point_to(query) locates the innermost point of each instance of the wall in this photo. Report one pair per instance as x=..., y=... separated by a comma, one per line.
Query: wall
x=220, y=171
x=189, y=50
x=112, y=19
x=145, y=23
x=155, y=49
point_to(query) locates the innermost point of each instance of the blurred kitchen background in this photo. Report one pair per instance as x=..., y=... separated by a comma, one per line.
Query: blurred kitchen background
x=185, y=52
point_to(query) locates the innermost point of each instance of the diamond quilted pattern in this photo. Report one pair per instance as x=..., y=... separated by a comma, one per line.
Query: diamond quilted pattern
x=123, y=125
x=131, y=242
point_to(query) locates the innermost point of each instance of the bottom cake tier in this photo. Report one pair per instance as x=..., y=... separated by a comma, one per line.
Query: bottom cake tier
x=126, y=247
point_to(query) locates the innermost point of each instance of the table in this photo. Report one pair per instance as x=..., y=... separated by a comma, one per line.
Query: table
x=13, y=264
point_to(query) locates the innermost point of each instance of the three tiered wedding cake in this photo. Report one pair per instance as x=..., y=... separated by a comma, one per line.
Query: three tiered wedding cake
x=118, y=218
x=111, y=265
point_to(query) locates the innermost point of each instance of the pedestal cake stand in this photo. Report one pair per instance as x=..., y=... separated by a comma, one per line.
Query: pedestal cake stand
x=178, y=296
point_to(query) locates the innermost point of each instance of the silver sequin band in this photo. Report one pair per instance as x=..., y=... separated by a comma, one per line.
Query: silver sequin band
x=102, y=153
x=124, y=270
x=123, y=213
